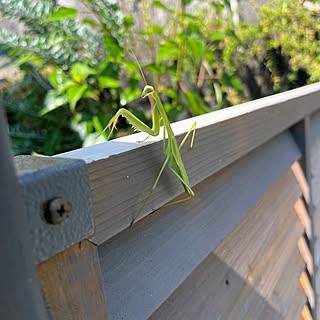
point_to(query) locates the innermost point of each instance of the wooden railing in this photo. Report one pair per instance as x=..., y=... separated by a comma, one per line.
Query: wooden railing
x=245, y=247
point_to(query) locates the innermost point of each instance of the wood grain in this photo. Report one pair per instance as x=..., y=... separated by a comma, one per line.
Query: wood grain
x=125, y=197
x=122, y=172
x=303, y=214
x=205, y=294
x=306, y=285
x=266, y=273
x=296, y=307
x=166, y=247
x=313, y=154
x=283, y=294
x=306, y=315
x=72, y=285
x=306, y=254
x=298, y=172
x=315, y=173
x=314, y=127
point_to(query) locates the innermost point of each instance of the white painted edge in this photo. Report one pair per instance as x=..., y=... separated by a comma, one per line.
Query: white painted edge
x=127, y=143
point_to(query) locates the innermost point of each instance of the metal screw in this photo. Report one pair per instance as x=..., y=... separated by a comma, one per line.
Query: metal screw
x=57, y=211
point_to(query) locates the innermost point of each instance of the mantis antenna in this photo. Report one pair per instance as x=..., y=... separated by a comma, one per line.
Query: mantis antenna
x=136, y=60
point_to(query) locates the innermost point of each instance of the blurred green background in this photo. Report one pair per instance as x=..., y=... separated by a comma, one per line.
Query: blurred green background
x=74, y=68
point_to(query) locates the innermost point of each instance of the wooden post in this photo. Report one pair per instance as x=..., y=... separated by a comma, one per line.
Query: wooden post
x=72, y=284
x=20, y=294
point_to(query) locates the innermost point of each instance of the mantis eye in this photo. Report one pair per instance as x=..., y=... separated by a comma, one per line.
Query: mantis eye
x=146, y=91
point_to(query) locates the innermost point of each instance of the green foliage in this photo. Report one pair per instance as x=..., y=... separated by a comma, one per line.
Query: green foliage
x=287, y=39
x=64, y=62
x=76, y=72
x=187, y=61
x=293, y=28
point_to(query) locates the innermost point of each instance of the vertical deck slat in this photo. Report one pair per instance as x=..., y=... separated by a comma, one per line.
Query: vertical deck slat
x=72, y=284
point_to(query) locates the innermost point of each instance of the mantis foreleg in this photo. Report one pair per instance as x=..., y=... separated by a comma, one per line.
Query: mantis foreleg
x=135, y=122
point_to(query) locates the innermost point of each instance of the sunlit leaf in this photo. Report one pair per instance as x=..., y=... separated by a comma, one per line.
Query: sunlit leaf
x=80, y=71
x=155, y=68
x=195, y=103
x=197, y=47
x=168, y=49
x=75, y=94
x=217, y=35
x=107, y=82
x=159, y=4
x=114, y=50
x=90, y=22
x=53, y=101
x=62, y=13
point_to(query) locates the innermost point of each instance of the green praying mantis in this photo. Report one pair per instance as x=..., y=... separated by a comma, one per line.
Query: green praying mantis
x=171, y=149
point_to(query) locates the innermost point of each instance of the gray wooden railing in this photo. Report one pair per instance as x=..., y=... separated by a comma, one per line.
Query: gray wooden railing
x=245, y=247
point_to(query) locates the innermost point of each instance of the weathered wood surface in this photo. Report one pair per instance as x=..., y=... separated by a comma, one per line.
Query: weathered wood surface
x=120, y=207
x=166, y=247
x=303, y=214
x=306, y=315
x=301, y=178
x=313, y=157
x=307, y=287
x=120, y=184
x=213, y=286
x=306, y=254
x=283, y=294
x=266, y=273
x=72, y=285
x=296, y=307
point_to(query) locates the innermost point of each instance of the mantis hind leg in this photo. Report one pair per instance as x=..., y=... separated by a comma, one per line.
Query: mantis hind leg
x=187, y=135
x=187, y=187
x=153, y=188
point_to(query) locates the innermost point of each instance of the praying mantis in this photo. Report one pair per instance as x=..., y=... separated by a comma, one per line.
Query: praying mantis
x=171, y=150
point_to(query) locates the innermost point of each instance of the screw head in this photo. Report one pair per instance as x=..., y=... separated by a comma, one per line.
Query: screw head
x=57, y=211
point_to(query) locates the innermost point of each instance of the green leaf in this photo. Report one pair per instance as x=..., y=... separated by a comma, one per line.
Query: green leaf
x=159, y=4
x=155, y=29
x=98, y=126
x=90, y=93
x=92, y=139
x=57, y=79
x=217, y=35
x=80, y=71
x=197, y=47
x=107, y=82
x=75, y=94
x=155, y=68
x=53, y=101
x=53, y=138
x=62, y=13
x=168, y=49
x=23, y=59
x=218, y=93
x=67, y=85
x=131, y=67
x=90, y=22
x=128, y=21
x=114, y=50
x=195, y=103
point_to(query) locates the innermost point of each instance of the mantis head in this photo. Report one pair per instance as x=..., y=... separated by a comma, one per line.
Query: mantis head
x=147, y=91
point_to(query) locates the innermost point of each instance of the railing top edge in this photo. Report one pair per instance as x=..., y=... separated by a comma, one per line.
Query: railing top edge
x=127, y=143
